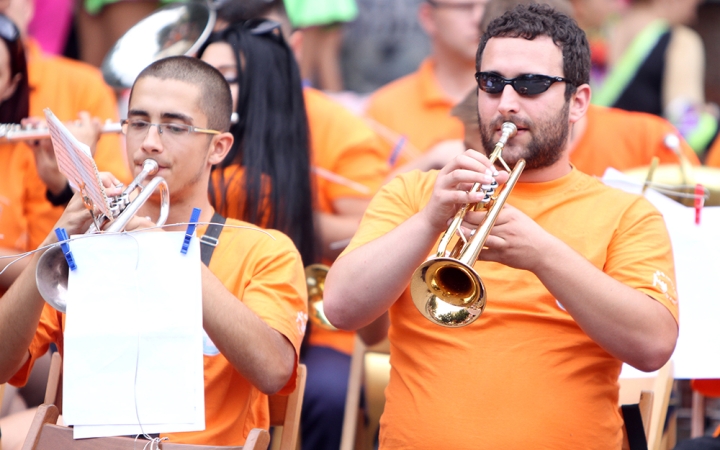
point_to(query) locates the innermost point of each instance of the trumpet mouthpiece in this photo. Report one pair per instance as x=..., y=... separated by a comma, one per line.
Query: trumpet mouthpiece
x=150, y=166
x=509, y=129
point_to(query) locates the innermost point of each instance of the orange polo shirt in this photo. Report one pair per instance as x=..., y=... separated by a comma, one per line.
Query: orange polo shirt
x=415, y=107
x=66, y=87
x=602, y=146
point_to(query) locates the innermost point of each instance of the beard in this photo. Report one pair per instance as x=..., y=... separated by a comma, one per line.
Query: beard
x=549, y=137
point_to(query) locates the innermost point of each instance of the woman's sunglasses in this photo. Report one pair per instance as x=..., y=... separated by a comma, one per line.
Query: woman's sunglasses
x=528, y=84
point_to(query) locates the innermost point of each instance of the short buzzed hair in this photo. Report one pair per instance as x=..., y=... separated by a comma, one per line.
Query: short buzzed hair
x=215, y=97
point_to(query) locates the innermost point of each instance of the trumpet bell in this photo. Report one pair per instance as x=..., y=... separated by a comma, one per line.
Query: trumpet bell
x=448, y=292
x=315, y=275
x=51, y=278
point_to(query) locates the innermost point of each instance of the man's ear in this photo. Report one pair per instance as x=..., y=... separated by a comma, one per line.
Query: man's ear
x=219, y=147
x=579, y=102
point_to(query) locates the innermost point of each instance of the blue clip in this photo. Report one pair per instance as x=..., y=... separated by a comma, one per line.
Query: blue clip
x=190, y=230
x=63, y=238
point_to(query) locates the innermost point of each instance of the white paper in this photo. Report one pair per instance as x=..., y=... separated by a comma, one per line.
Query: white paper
x=133, y=335
x=697, y=266
x=76, y=163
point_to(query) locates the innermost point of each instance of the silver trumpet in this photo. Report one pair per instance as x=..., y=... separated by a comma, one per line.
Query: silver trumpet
x=52, y=270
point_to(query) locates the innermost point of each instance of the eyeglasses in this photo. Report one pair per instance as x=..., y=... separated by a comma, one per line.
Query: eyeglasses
x=8, y=30
x=136, y=128
x=528, y=84
x=465, y=6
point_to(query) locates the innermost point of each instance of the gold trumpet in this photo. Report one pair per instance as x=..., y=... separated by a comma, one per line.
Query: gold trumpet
x=315, y=275
x=445, y=288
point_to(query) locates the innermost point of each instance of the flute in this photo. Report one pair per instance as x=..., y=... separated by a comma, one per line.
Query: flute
x=14, y=132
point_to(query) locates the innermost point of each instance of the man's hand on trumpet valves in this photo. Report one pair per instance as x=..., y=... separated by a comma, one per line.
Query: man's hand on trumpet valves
x=453, y=185
x=515, y=240
x=76, y=219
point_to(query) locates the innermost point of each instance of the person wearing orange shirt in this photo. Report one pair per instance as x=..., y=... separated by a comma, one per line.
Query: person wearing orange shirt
x=417, y=106
x=30, y=177
x=604, y=138
x=253, y=291
x=571, y=293
x=347, y=164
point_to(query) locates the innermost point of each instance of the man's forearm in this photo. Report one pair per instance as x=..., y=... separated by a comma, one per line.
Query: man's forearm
x=259, y=353
x=364, y=283
x=20, y=310
x=627, y=323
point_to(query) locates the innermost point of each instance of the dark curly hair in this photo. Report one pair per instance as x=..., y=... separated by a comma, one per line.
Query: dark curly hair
x=530, y=21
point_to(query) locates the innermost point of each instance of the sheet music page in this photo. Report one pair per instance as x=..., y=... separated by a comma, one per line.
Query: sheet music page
x=697, y=265
x=76, y=163
x=133, y=336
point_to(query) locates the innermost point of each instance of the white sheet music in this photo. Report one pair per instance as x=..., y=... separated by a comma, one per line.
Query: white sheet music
x=76, y=162
x=133, y=336
x=697, y=265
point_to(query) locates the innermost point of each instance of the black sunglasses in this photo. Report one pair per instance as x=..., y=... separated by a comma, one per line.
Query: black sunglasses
x=8, y=30
x=528, y=84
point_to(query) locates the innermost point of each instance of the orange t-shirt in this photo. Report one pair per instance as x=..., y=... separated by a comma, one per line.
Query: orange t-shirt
x=262, y=269
x=603, y=146
x=66, y=87
x=415, y=107
x=524, y=375
x=343, y=144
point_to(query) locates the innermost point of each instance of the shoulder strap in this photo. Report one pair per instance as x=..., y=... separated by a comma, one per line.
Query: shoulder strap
x=634, y=427
x=209, y=240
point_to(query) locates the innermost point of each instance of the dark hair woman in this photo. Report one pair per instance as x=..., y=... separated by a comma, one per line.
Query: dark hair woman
x=265, y=179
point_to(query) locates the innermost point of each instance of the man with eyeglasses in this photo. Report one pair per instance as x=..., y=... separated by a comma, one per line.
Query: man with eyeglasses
x=579, y=276
x=417, y=106
x=254, y=297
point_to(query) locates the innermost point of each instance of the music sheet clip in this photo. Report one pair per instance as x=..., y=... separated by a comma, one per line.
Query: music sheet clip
x=699, y=201
x=190, y=230
x=63, y=238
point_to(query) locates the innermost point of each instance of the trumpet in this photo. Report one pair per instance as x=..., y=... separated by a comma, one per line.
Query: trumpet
x=445, y=288
x=51, y=274
x=315, y=275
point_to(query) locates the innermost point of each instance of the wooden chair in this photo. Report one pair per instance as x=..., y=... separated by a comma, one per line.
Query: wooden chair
x=44, y=434
x=652, y=393
x=369, y=368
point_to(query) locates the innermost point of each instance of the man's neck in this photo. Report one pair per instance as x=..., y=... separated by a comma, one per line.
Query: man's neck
x=455, y=75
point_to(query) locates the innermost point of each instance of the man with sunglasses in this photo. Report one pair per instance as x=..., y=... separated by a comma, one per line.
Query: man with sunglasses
x=254, y=298
x=579, y=276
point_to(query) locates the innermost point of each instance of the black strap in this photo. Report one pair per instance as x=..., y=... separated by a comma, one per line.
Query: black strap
x=63, y=198
x=209, y=240
x=634, y=427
